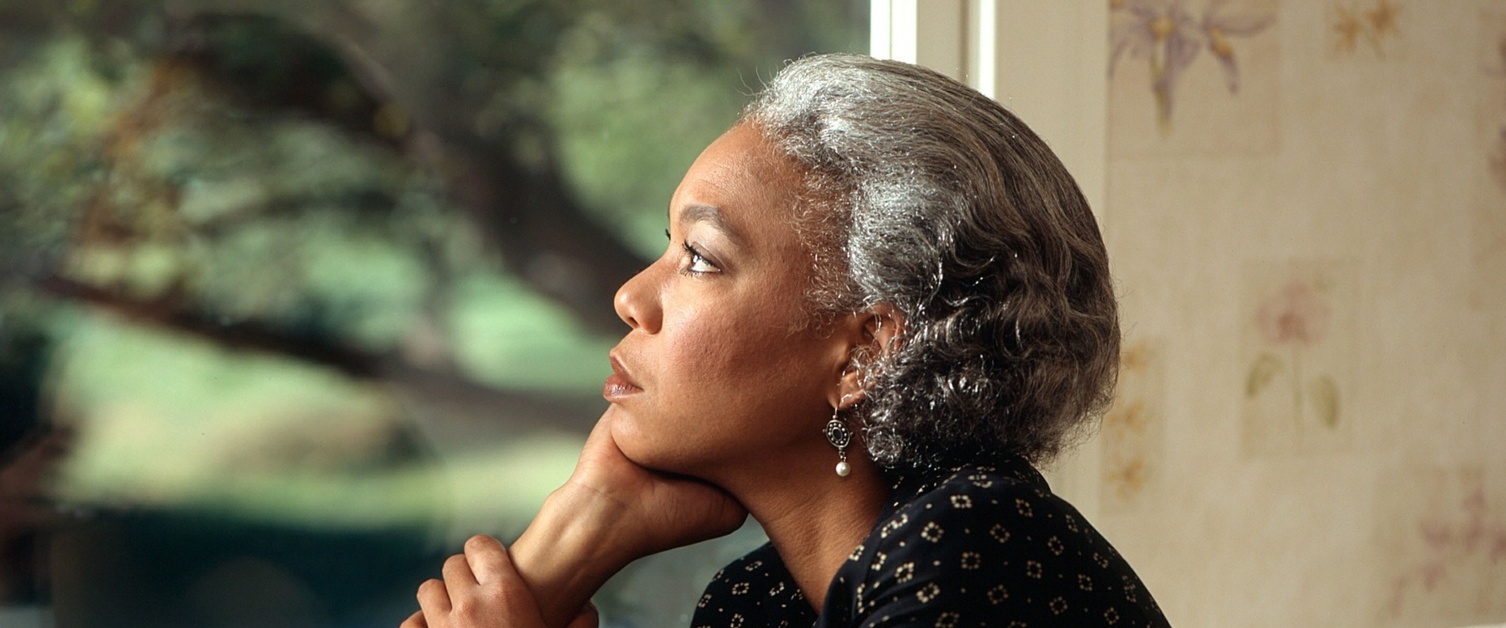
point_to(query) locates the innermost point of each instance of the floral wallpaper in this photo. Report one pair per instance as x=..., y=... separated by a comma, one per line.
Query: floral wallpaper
x=1372, y=27
x=1134, y=447
x=1193, y=78
x=1297, y=341
x=1488, y=236
x=1497, y=71
x=1306, y=209
x=1170, y=36
x=1291, y=321
x=1449, y=551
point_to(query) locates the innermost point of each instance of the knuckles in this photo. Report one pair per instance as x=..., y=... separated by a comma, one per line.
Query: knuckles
x=478, y=542
x=477, y=604
x=430, y=588
x=467, y=609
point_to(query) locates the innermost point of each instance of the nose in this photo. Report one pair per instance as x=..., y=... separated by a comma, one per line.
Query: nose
x=637, y=302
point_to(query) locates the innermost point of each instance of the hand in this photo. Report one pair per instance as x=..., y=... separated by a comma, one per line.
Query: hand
x=611, y=512
x=649, y=511
x=482, y=588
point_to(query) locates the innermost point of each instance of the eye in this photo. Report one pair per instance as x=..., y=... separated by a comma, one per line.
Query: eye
x=696, y=263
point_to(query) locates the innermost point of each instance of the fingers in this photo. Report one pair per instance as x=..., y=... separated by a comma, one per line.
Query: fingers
x=415, y=620
x=433, y=598
x=480, y=588
x=487, y=561
x=457, y=575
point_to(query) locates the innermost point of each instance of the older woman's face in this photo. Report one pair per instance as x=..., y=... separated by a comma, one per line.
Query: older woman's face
x=717, y=369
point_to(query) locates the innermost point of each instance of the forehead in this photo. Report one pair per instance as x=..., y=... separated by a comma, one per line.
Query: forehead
x=743, y=177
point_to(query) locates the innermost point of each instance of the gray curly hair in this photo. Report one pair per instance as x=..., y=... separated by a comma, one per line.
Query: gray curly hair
x=926, y=195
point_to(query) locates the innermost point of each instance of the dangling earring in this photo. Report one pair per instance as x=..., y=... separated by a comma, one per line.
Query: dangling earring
x=840, y=437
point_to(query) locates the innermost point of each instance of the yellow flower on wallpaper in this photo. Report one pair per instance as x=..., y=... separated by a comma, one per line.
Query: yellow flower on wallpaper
x=1373, y=25
x=1132, y=430
x=1347, y=29
x=1382, y=18
x=1171, y=37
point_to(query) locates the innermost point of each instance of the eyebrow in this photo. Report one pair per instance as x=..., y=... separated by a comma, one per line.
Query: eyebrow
x=713, y=216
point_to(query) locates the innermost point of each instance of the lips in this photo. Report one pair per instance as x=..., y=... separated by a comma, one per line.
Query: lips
x=619, y=384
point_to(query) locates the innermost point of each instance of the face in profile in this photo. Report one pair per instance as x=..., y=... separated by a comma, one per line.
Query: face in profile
x=718, y=368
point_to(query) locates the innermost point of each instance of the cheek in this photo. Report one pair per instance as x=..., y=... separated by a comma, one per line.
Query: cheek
x=744, y=374
x=708, y=351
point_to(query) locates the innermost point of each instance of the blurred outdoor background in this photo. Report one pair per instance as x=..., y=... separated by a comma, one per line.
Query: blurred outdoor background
x=295, y=296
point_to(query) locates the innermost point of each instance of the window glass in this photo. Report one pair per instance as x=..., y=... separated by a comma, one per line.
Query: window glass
x=295, y=296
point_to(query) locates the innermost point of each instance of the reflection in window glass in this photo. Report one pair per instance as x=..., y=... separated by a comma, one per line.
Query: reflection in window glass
x=296, y=296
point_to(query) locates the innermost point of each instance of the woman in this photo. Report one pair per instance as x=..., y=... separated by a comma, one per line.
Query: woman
x=883, y=298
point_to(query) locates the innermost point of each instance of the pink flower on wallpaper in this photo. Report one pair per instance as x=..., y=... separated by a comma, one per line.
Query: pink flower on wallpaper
x=1291, y=321
x=1459, y=542
x=1296, y=315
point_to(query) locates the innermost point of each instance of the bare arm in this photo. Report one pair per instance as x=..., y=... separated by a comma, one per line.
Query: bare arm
x=610, y=513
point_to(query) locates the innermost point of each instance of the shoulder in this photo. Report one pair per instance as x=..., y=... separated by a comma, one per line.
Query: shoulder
x=974, y=508
x=987, y=542
x=754, y=590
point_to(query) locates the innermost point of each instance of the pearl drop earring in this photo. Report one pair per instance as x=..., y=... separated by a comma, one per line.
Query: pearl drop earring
x=840, y=437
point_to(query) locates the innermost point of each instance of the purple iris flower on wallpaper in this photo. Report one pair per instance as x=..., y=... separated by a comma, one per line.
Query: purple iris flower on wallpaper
x=1170, y=36
x=1219, y=25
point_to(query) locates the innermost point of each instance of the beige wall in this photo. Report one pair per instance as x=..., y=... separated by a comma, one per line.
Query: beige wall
x=1311, y=424
x=1311, y=428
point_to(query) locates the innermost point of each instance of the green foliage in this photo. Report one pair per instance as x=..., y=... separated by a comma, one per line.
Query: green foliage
x=634, y=106
x=625, y=165
x=539, y=347
x=241, y=249
x=55, y=104
x=238, y=239
x=190, y=425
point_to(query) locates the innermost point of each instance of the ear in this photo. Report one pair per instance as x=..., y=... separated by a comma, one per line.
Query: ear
x=876, y=333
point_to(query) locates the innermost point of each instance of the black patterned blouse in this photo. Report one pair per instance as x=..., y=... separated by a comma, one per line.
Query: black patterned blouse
x=977, y=546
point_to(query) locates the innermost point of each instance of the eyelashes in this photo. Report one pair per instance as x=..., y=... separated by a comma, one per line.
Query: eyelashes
x=694, y=262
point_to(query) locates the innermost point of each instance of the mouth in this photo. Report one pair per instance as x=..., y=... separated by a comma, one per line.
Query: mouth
x=619, y=384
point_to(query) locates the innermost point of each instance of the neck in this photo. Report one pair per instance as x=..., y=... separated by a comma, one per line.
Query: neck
x=816, y=519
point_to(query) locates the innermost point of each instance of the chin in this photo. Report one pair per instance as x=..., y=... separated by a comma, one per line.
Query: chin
x=650, y=449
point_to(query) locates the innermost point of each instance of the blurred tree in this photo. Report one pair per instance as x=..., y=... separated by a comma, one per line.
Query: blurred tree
x=439, y=198
x=471, y=91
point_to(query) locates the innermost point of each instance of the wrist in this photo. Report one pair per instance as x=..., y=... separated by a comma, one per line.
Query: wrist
x=570, y=550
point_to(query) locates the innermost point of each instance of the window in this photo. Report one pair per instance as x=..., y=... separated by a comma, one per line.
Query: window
x=294, y=298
